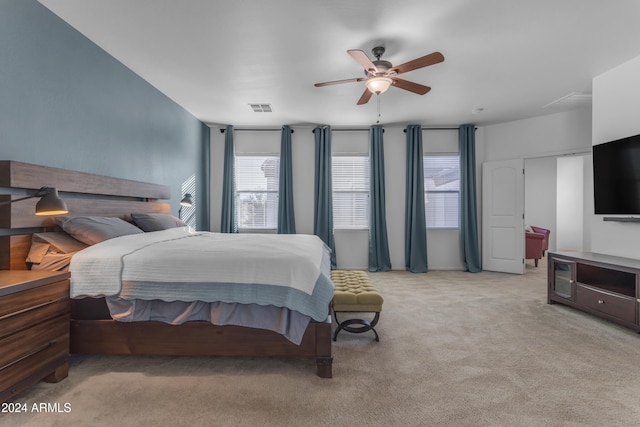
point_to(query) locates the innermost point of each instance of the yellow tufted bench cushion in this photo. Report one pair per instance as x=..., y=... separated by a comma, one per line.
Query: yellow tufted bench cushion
x=354, y=292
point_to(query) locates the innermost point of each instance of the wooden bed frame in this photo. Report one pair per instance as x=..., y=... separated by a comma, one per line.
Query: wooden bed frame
x=92, y=329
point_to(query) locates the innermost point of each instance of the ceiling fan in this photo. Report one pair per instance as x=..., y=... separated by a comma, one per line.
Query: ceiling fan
x=381, y=74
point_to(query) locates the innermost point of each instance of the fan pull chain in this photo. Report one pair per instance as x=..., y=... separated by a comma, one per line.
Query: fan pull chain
x=378, y=100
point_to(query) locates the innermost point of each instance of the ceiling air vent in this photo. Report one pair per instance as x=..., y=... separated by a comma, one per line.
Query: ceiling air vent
x=574, y=99
x=261, y=108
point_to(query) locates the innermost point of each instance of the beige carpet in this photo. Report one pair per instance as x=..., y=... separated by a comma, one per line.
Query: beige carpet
x=456, y=349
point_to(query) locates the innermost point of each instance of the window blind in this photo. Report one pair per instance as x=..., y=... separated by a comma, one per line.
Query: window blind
x=257, y=182
x=350, y=179
x=442, y=191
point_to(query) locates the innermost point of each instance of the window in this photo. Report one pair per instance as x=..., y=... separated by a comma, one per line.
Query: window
x=442, y=191
x=257, y=182
x=350, y=179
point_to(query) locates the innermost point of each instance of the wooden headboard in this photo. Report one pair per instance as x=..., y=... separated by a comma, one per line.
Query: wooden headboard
x=84, y=194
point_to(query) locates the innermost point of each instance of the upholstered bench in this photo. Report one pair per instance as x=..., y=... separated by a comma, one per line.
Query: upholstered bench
x=354, y=293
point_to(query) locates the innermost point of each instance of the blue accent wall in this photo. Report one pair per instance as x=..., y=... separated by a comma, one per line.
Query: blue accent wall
x=64, y=102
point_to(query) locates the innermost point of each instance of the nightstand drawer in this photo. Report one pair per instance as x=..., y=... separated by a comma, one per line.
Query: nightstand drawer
x=31, y=369
x=619, y=306
x=35, y=297
x=14, y=322
x=32, y=340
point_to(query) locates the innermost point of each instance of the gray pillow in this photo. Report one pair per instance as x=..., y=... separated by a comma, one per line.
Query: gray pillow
x=157, y=221
x=96, y=229
x=56, y=242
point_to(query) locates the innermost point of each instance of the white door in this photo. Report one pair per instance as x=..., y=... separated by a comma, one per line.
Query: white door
x=503, y=216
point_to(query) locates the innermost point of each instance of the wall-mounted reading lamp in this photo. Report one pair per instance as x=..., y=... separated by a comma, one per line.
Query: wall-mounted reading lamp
x=186, y=201
x=49, y=204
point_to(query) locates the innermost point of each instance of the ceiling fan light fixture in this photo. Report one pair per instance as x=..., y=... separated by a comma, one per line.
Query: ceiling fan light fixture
x=379, y=85
x=381, y=74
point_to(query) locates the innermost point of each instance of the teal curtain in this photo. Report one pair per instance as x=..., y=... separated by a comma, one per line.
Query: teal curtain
x=323, y=190
x=379, y=259
x=205, y=193
x=468, y=205
x=228, y=223
x=415, y=239
x=286, y=217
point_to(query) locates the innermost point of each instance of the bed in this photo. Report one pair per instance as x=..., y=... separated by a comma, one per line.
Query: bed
x=94, y=331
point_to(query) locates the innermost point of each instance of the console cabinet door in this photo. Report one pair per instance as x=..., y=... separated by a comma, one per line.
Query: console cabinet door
x=563, y=279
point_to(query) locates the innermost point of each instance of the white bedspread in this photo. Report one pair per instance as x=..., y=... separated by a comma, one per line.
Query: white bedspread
x=182, y=265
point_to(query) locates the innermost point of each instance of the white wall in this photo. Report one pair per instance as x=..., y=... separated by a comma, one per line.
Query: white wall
x=616, y=103
x=540, y=194
x=550, y=135
x=555, y=134
x=540, y=140
x=587, y=169
x=443, y=246
x=570, y=203
x=558, y=193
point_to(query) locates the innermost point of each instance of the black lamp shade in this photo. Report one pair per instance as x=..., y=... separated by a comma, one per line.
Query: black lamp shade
x=186, y=200
x=50, y=203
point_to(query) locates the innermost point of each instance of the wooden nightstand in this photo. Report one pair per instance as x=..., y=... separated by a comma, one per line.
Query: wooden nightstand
x=34, y=329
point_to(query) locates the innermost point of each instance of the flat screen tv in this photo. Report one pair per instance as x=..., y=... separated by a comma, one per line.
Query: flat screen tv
x=616, y=177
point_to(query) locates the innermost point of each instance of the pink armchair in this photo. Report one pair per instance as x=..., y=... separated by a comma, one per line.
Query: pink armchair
x=534, y=246
x=546, y=233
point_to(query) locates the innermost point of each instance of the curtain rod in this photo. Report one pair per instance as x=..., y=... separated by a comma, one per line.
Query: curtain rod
x=350, y=130
x=434, y=128
x=259, y=130
x=404, y=130
x=334, y=130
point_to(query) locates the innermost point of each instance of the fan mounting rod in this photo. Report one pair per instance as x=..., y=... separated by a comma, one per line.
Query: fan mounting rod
x=378, y=51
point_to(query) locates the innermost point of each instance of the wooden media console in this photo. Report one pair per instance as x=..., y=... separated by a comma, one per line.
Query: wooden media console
x=603, y=285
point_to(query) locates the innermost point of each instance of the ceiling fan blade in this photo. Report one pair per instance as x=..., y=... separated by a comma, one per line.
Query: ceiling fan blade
x=335, y=82
x=410, y=86
x=366, y=96
x=424, y=61
x=362, y=59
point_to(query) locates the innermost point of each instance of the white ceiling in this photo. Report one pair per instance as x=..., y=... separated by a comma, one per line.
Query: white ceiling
x=507, y=57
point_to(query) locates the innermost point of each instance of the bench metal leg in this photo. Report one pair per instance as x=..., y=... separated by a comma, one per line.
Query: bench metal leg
x=365, y=326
